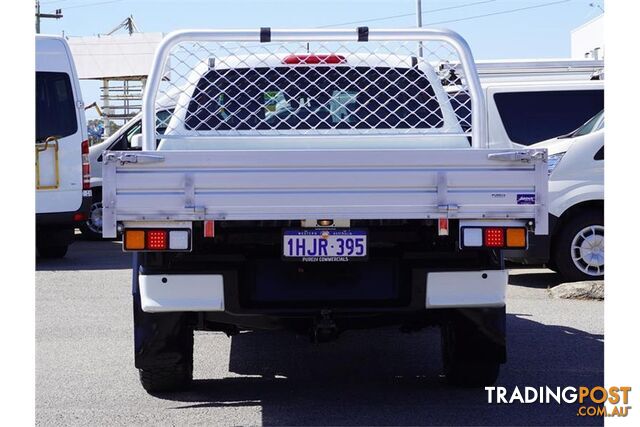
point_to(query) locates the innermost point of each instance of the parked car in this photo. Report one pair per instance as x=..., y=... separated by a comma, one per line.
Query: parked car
x=122, y=140
x=317, y=193
x=575, y=244
x=63, y=192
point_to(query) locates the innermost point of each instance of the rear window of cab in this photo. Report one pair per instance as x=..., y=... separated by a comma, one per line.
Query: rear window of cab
x=319, y=97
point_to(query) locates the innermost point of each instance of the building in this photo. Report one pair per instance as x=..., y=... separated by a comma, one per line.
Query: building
x=587, y=41
x=121, y=63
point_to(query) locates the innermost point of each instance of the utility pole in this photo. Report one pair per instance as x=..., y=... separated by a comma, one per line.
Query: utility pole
x=56, y=15
x=419, y=23
x=37, y=16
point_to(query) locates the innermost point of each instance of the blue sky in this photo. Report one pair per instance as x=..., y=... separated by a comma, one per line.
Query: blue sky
x=541, y=32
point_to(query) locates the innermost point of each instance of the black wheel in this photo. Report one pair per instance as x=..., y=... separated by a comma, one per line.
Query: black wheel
x=57, y=251
x=92, y=227
x=166, y=379
x=170, y=375
x=465, y=360
x=579, y=247
x=163, y=347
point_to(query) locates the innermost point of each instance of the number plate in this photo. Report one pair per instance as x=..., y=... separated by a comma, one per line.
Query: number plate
x=337, y=245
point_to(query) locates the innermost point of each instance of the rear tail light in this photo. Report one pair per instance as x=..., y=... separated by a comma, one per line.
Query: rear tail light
x=516, y=238
x=314, y=59
x=156, y=240
x=472, y=237
x=151, y=239
x=179, y=239
x=79, y=216
x=134, y=240
x=86, y=167
x=494, y=237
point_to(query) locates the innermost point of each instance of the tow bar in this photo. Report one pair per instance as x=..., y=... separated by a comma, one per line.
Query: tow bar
x=324, y=330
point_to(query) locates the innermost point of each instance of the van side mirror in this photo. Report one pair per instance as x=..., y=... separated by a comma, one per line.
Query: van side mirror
x=136, y=142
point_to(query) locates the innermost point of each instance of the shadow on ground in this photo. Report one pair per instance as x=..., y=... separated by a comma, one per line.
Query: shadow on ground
x=88, y=255
x=536, y=279
x=382, y=377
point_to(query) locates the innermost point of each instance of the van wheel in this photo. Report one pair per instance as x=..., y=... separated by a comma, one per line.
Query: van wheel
x=462, y=369
x=92, y=227
x=58, y=251
x=579, y=248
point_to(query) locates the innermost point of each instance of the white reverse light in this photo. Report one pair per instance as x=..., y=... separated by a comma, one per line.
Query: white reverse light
x=472, y=237
x=179, y=239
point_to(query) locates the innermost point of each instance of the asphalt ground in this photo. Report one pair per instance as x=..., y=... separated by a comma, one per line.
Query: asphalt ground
x=85, y=373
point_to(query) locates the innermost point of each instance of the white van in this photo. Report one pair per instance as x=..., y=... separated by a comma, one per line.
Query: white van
x=575, y=244
x=522, y=113
x=63, y=191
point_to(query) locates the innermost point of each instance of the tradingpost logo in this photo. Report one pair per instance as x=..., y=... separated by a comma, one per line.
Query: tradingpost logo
x=595, y=401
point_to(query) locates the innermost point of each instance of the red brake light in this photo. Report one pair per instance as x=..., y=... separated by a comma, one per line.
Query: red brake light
x=156, y=239
x=314, y=59
x=494, y=237
x=86, y=167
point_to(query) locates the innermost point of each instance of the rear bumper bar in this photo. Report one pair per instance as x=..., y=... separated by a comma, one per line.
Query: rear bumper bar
x=181, y=292
x=64, y=219
x=206, y=292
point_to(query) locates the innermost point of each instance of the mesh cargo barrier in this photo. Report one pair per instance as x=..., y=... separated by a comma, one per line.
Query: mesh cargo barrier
x=322, y=82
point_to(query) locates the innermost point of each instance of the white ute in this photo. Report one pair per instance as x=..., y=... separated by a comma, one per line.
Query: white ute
x=318, y=181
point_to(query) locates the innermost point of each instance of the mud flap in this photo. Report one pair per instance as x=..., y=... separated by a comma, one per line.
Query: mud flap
x=160, y=339
x=481, y=334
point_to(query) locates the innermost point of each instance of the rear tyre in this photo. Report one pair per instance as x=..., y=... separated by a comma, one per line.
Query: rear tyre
x=166, y=379
x=57, y=251
x=170, y=375
x=163, y=347
x=579, y=247
x=468, y=357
